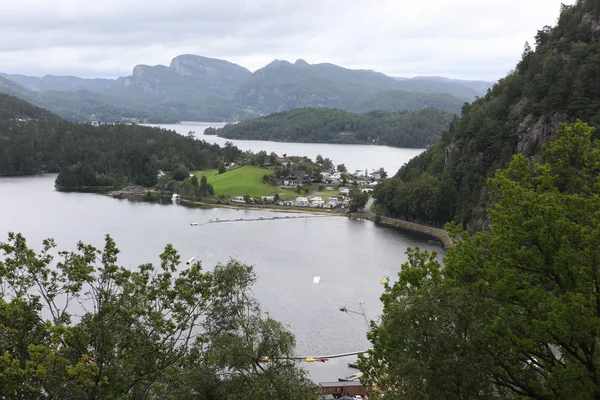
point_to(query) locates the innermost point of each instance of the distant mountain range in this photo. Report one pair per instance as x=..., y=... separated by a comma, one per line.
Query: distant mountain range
x=201, y=88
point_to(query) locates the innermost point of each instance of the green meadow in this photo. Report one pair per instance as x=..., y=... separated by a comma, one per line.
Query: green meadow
x=244, y=181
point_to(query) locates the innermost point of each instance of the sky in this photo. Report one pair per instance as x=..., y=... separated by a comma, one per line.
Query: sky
x=464, y=39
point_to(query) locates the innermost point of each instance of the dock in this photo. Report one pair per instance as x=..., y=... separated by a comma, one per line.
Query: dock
x=286, y=217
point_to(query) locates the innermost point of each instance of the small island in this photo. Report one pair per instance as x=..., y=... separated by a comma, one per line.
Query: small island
x=412, y=129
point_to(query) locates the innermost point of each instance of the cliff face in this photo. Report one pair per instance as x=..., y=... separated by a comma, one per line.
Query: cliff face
x=145, y=79
x=534, y=134
x=217, y=70
x=187, y=74
x=556, y=83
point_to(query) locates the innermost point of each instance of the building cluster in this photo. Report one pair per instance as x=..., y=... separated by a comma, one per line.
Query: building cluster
x=341, y=201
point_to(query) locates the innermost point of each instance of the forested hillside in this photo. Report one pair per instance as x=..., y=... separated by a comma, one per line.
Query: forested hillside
x=512, y=312
x=407, y=101
x=83, y=105
x=324, y=125
x=557, y=82
x=34, y=140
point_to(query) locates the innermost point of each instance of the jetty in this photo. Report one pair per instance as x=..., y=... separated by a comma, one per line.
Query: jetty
x=285, y=217
x=352, y=353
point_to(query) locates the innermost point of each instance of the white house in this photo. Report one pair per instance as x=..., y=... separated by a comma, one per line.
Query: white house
x=344, y=191
x=267, y=198
x=325, y=175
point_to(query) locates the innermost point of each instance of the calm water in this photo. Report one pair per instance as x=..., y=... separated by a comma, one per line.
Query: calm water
x=350, y=256
x=354, y=156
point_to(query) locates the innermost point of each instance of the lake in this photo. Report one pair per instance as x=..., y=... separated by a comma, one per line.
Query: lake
x=350, y=256
x=354, y=156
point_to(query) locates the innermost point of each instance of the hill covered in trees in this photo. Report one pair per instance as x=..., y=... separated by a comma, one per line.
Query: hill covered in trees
x=556, y=81
x=512, y=313
x=35, y=140
x=407, y=101
x=323, y=125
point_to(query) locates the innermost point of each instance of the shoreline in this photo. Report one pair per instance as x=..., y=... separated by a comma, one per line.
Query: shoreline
x=341, y=143
x=431, y=232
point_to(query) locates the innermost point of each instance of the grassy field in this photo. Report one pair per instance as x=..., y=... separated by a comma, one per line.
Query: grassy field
x=326, y=194
x=244, y=181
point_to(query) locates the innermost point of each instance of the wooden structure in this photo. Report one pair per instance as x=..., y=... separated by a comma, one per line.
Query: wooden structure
x=339, y=389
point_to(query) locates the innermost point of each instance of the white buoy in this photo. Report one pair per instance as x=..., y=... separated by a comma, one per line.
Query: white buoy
x=317, y=279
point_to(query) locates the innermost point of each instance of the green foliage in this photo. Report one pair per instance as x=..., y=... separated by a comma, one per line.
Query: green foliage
x=191, y=188
x=222, y=168
x=358, y=199
x=322, y=125
x=210, y=131
x=408, y=101
x=269, y=179
x=423, y=346
x=514, y=313
x=558, y=82
x=83, y=327
x=180, y=172
x=109, y=155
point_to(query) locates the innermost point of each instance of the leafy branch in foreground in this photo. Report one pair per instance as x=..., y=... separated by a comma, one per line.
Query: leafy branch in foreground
x=80, y=326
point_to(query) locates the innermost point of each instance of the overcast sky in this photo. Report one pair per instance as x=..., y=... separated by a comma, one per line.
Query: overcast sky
x=468, y=39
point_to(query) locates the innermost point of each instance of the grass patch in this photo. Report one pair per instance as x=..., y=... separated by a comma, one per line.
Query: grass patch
x=326, y=194
x=243, y=181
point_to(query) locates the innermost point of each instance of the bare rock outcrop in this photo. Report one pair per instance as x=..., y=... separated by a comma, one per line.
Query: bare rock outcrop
x=592, y=21
x=531, y=136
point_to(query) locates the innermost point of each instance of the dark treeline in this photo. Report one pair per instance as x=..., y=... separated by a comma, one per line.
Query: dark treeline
x=323, y=125
x=558, y=82
x=34, y=140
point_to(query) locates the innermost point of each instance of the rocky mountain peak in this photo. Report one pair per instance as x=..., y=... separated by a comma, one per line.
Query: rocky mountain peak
x=277, y=64
x=193, y=65
x=301, y=63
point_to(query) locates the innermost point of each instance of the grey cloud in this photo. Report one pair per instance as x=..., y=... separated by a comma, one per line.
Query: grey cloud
x=458, y=38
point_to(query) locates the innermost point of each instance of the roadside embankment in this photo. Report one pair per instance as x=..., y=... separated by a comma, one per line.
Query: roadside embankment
x=434, y=233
